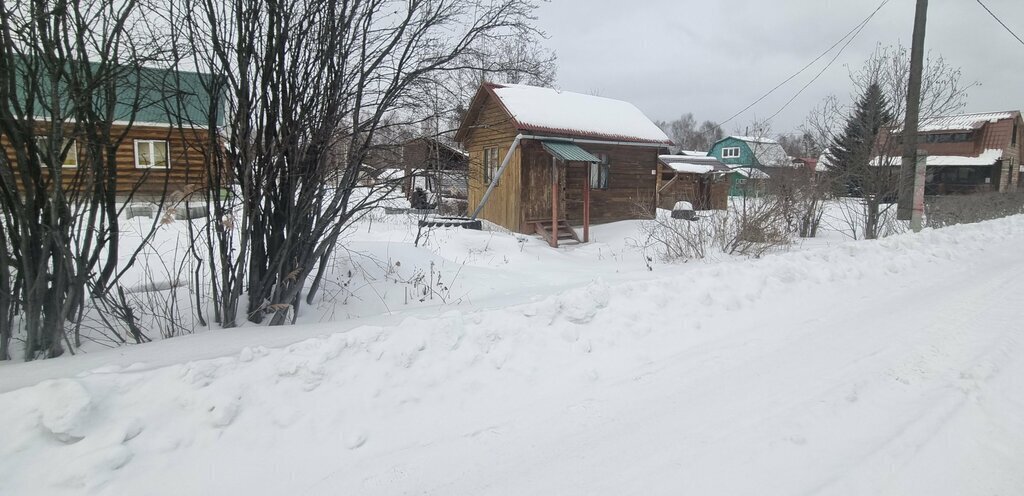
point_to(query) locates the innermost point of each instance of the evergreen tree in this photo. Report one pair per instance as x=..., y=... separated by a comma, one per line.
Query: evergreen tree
x=850, y=154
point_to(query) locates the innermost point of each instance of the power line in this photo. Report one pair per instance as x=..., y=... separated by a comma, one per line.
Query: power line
x=1001, y=23
x=829, y=64
x=848, y=37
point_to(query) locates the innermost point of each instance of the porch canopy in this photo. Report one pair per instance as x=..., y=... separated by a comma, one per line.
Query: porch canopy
x=566, y=152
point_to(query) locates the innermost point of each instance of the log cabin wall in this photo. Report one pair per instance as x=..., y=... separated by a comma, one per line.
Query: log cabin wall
x=186, y=159
x=493, y=128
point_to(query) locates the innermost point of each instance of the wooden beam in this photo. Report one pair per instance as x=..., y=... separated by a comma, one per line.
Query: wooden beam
x=586, y=203
x=669, y=183
x=657, y=187
x=554, y=202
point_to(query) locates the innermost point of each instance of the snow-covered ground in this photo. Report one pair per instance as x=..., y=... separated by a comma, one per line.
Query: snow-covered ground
x=883, y=367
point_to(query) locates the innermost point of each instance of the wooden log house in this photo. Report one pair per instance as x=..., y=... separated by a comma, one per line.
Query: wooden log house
x=543, y=161
x=160, y=118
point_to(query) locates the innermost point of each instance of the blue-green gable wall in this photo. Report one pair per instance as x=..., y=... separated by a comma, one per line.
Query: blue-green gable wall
x=746, y=154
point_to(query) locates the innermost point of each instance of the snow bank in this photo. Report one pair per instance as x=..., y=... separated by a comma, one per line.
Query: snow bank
x=675, y=383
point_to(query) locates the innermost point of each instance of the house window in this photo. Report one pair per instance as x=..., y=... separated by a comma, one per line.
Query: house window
x=490, y=164
x=599, y=172
x=944, y=138
x=69, y=147
x=151, y=154
x=1013, y=138
x=731, y=152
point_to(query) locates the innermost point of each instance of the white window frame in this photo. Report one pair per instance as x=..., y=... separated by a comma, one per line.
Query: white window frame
x=42, y=142
x=731, y=152
x=600, y=170
x=490, y=168
x=167, y=149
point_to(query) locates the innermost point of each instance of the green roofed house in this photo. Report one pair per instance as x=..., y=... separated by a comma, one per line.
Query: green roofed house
x=162, y=116
x=751, y=158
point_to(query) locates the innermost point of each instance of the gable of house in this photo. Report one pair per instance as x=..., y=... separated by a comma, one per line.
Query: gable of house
x=744, y=151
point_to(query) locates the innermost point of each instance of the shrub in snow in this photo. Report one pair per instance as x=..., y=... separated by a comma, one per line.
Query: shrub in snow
x=750, y=228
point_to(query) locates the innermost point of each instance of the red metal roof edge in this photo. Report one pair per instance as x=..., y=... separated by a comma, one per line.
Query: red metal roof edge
x=575, y=133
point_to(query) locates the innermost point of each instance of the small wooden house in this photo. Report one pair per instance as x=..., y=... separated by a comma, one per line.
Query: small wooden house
x=542, y=160
x=435, y=166
x=702, y=181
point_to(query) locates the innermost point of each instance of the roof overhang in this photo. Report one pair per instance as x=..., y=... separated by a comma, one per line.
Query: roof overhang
x=568, y=152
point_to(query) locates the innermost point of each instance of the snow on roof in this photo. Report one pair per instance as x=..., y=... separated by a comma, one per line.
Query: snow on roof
x=987, y=157
x=686, y=168
x=692, y=165
x=693, y=153
x=823, y=161
x=771, y=154
x=576, y=114
x=962, y=122
x=751, y=172
x=688, y=158
x=756, y=139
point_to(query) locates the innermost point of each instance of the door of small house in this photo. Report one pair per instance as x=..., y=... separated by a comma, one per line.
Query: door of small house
x=537, y=179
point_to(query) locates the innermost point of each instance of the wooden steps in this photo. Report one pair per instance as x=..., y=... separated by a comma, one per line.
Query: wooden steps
x=565, y=231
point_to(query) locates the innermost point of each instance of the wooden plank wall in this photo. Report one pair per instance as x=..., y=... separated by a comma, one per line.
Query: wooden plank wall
x=536, y=167
x=494, y=129
x=686, y=188
x=185, y=154
x=630, y=193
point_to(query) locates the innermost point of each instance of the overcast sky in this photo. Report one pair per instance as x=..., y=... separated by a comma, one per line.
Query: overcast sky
x=714, y=57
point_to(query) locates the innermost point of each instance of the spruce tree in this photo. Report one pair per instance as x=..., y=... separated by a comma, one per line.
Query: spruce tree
x=850, y=153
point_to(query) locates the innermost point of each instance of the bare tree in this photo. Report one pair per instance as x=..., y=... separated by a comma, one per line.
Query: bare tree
x=801, y=144
x=303, y=77
x=687, y=135
x=70, y=70
x=868, y=170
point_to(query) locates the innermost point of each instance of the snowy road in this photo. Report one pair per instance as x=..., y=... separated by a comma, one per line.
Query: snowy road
x=893, y=367
x=898, y=390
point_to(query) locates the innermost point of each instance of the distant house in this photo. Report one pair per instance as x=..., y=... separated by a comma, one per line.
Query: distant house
x=702, y=181
x=435, y=166
x=752, y=158
x=969, y=153
x=808, y=164
x=572, y=159
x=160, y=116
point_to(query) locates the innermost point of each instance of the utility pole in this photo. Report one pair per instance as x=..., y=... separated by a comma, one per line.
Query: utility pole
x=905, y=207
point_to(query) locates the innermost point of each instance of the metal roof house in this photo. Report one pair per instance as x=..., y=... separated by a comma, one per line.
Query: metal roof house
x=543, y=160
x=752, y=158
x=968, y=153
x=161, y=118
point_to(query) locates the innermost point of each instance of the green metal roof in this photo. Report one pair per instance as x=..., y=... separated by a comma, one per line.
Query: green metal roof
x=568, y=152
x=144, y=94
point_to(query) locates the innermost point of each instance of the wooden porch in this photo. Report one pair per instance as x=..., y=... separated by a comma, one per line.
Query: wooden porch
x=551, y=180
